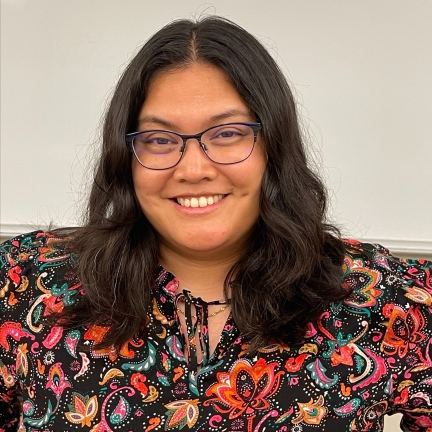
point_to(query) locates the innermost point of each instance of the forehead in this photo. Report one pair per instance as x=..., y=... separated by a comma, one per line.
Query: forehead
x=195, y=76
x=194, y=93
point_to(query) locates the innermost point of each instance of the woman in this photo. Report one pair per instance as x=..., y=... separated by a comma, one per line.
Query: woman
x=271, y=322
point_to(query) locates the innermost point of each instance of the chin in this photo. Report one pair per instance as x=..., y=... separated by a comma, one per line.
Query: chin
x=203, y=243
x=200, y=246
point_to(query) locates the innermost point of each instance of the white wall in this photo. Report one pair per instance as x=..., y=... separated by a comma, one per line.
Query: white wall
x=361, y=70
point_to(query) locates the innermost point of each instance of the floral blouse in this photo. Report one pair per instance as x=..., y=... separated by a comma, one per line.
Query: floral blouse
x=365, y=357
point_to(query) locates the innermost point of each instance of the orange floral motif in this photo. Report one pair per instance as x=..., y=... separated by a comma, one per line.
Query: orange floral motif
x=22, y=360
x=12, y=300
x=403, y=330
x=82, y=409
x=51, y=252
x=343, y=354
x=178, y=373
x=5, y=288
x=153, y=424
x=181, y=413
x=24, y=284
x=8, y=379
x=245, y=388
x=345, y=390
x=53, y=304
x=138, y=380
x=311, y=412
x=153, y=394
x=97, y=333
x=364, y=282
x=419, y=295
x=41, y=367
x=114, y=372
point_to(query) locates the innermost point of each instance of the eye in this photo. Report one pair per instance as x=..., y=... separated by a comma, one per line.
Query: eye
x=227, y=134
x=157, y=139
x=156, y=142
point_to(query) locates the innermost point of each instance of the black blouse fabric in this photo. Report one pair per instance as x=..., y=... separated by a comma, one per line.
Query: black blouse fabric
x=365, y=357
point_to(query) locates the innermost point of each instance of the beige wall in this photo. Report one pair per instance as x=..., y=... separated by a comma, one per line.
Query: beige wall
x=360, y=70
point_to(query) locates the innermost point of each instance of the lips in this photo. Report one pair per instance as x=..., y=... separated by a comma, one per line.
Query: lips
x=202, y=201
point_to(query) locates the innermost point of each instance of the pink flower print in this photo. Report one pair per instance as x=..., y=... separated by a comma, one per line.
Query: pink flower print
x=424, y=421
x=172, y=286
x=57, y=381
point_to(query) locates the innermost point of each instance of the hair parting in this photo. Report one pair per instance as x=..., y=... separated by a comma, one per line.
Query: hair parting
x=293, y=264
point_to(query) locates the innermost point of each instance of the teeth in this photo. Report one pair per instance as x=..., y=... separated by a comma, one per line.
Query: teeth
x=202, y=202
x=199, y=202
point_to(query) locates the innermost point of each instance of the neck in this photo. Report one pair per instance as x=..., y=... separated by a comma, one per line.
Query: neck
x=202, y=277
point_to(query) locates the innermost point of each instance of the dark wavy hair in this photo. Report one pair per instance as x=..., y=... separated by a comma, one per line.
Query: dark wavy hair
x=291, y=269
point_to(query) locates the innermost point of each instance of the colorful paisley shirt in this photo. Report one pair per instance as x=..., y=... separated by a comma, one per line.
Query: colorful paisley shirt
x=365, y=357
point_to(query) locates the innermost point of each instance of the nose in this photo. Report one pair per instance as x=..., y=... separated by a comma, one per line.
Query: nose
x=194, y=165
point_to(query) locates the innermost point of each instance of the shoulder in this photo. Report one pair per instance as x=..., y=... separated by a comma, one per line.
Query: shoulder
x=371, y=268
x=36, y=275
x=35, y=247
x=382, y=331
x=391, y=296
x=29, y=254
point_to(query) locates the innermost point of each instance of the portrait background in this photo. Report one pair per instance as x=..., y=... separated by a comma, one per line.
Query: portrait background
x=360, y=72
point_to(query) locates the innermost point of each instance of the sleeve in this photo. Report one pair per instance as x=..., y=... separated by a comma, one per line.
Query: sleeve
x=408, y=340
x=15, y=263
x=10, y=406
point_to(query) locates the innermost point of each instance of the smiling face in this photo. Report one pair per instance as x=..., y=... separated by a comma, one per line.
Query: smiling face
x=199, y=208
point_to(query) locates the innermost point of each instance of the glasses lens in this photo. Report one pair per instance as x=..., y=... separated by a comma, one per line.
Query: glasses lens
x=229, y=143
x=157, y=149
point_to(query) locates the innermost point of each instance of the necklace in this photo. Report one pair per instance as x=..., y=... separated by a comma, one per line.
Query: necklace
x=210, y=315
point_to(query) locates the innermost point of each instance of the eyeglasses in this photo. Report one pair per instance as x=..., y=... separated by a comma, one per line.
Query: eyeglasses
x=226, y=144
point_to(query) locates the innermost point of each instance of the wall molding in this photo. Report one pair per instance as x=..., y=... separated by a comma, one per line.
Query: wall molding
x=9, y=230
x=404, y=247
x=399, y=247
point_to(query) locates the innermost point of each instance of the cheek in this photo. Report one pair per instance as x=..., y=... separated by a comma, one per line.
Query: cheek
x=252, y=179
x=148, y=186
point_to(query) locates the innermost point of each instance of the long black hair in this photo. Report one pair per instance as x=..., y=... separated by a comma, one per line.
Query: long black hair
x=292, y=267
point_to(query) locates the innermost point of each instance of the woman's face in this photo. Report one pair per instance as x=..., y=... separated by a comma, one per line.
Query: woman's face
x=189, y=100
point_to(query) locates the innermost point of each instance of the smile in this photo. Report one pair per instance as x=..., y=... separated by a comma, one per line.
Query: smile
x=199, y=201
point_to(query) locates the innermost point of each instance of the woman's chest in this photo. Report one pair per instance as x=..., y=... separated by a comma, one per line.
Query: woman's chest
x=147, y=385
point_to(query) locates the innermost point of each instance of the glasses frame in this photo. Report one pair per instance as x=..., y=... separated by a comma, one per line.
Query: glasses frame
x=256, y=127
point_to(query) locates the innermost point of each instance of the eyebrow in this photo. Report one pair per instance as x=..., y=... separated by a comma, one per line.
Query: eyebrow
x=156, y=120
x=231, y=113
x=216, y=118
